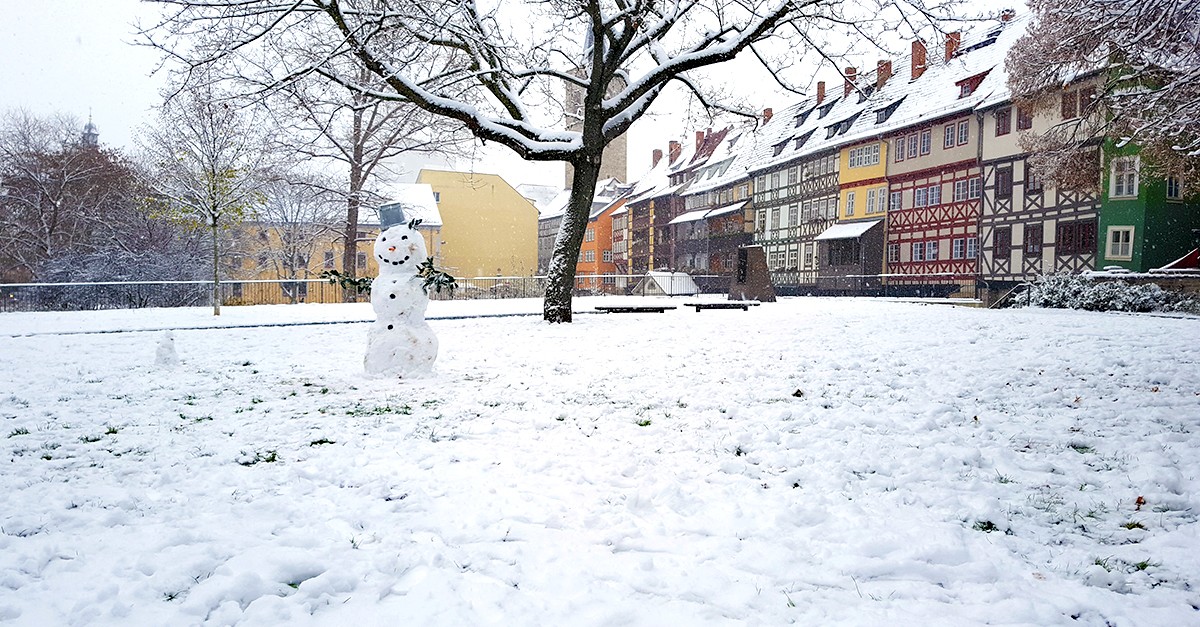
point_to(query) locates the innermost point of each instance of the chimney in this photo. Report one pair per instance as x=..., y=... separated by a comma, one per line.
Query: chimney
x=655, y=157
x=820, y=92
x=851, y=75
x=699, y=140
x=1007, y=15
x=767, y=113
x=883, y=71
x=918, y=59
x=952, y=41
x=673, y=150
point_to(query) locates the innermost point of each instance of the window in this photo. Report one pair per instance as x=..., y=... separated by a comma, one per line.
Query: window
x=918, y=251
x=960, y=190
x=871, y=194
x=761, y=229
x=809, y=256
x=935, y=195
x=1120, y=243
x=609, y=278
x=972, y=247
x=237, y=290
x=589, y=256
x=965, y=90
x=1173, y=188
x=794, y=259
x=931, y=250
x=590, y=235
x=899, y=149
x=776, y=260
x=1070, y=105
x=1003, y=121
x=948, y=141
x=793, y=215
x=974, y=187
x=774, y=180
x=849, y=203
x=864, y=156
x=1124, y=180
x=964, y=132
x=893, y=253
x=1033, y=239
x=775, y=218
x=1075, y=238
x=360, y=260
x=1002, y=242
x=958, y=248
x=328, y=263
x=607, y=256
x=437, y=197
x=793, y=173
x=1024, y=118
x=912, y=144
x=1004, y=182
x=926, y=141
x=896, y=201
x=920, y=197
x=1033, y=183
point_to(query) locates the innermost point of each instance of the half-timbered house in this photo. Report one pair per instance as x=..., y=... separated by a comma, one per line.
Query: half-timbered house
x=718, y=210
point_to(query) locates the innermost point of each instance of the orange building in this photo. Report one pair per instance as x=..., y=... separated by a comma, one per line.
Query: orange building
x=595, y=269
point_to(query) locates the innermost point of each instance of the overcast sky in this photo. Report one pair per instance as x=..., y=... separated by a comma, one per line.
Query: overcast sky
x=77, y=57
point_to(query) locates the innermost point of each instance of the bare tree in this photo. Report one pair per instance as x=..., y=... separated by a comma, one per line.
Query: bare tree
x=501, y=72
x=207, y=166
x=1146, y=54
x=329, y=123
x=56, y=191
x=297, y=217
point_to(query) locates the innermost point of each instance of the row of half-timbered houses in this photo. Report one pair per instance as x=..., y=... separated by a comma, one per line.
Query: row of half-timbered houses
x=910, y=179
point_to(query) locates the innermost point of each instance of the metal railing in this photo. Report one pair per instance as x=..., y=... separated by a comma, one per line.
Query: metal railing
x=141, y=294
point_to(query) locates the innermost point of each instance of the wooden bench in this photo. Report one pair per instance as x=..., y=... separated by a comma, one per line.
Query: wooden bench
x=633, y=308
x=731, y=304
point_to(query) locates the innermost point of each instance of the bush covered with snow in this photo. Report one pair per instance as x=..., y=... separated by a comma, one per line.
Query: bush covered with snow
x=1076, y=291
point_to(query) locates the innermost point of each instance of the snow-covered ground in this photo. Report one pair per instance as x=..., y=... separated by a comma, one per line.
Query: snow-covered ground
x=812, y=461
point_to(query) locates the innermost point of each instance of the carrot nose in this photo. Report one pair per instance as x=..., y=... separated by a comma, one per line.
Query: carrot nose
x=391, y=249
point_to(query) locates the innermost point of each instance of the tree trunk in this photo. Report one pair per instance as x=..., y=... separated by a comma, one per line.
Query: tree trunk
x=216, y=274
x=353, y=202
x=560, y=276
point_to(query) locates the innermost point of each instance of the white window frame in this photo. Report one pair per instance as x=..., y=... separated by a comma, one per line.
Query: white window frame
x=607, y=256
x=935, y=195
x=849, y=203
x=893, y=253
x=974, y=188
x=918, y=251
x=931, y=250
x=864, y=156
x=1122, y=248
x=926, y=141
x=948, y=137
x=1174, y=191
x=1124, y=184
x=896, y=201
x=958, y=248
x=920, y=197
x=870, y=201
x=964, y=132
x=972, y=247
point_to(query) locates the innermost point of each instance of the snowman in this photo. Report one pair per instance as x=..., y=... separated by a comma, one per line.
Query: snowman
x=400, y=342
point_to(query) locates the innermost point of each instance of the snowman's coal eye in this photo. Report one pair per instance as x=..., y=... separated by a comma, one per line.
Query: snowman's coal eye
x=383, y=239
x=403, y=237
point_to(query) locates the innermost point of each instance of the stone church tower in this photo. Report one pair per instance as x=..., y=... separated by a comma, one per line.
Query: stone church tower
x=616, y=154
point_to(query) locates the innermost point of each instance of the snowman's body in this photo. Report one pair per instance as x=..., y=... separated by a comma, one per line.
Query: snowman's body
x=401, y=343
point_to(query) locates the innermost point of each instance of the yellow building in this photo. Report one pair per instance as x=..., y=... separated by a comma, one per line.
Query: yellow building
x=269, y=263
x=488, y=228
x=862, y=177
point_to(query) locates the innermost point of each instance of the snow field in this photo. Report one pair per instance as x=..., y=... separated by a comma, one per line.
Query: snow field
x=813, y=461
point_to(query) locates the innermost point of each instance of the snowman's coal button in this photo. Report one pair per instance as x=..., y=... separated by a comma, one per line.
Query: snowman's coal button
x=389, y=327
x=403, y=237
x=391, y=295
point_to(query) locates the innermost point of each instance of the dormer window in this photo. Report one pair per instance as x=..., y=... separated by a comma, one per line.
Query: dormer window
x=967, y=86
x=800, y=141
x=779, y=148
x=883, y=114
x=865, y=93
x=824, y=111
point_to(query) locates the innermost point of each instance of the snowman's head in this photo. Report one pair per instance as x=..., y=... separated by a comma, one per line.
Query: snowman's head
x=399, y=247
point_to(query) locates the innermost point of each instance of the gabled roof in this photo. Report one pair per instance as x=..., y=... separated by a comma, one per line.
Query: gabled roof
x=808, y=128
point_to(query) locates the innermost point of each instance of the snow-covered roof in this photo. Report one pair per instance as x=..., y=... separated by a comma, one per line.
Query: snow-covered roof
x=847, y=230
x=726, y=166
x=539, y=195
x=720, y=211
x=415, y=201
x=690, y=216
x=556, y=206
x=808, y=128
